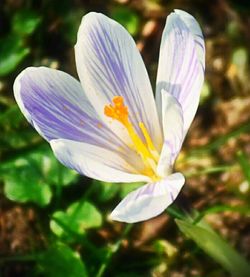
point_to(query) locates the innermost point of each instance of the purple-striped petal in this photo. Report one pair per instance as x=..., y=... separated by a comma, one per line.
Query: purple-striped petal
x=55, y=104
x=195, y=29
x=172, y=120
x=149, y=200
x=109, y=64
x=96, y=162
x=181, y=63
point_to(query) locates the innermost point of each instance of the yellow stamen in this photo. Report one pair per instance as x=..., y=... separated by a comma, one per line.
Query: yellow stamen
x=149, y=141
x=148, y=153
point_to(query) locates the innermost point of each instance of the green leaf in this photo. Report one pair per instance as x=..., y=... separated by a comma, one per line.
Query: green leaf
x=126, y=188
x=127, y=18
x=29, y=178
x=24, y=184
x=16, y=139
x=105, y=191
x=56, y=173
x=216, y=247
x=164, y=247
x=12, y=53
x=79, y=217
x=234, y=30
x=240, y=58
x=70, y=26
x=25, y=22
x=11, y=118
x=60, y=260
x=205, y=92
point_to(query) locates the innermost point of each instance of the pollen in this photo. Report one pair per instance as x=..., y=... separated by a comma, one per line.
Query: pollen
x=99, y=125
x=65, y=108
x=149, y=155
x=118, y=111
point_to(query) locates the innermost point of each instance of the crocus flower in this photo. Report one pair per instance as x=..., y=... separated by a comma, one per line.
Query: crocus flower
x=108, y=126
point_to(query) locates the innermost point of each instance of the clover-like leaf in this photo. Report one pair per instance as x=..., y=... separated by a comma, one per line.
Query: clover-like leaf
x=29, y=178
x=78, y=217
x=24, y=184
x=60, y=260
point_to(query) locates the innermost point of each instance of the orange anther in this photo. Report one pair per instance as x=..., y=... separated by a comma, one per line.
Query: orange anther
x=118, y=101
x=118, y=111
x=109, y=111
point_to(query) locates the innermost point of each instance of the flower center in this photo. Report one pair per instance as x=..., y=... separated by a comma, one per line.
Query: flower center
x=147, y=151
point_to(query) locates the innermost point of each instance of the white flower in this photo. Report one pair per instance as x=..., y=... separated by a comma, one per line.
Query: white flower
x=109, y=127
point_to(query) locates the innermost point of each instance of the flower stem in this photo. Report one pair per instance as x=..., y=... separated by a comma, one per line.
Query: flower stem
x=212, y=170
x=19, y=258
x=112, y=250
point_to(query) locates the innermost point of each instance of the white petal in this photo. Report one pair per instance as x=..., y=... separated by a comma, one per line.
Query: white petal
x=149, y=201
x=109, y=64
x=55, y=104
x=181, y=63
x=172, y=120
x=195, y=29
x=96, y=162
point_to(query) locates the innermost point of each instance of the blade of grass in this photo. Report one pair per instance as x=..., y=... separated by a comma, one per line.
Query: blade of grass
x=211, y=170
x=222, y=208
x=216, y=247
x=174, y=212
x=245, y=165
x=218, y=142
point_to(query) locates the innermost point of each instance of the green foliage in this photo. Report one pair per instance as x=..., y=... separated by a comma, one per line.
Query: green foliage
x=221, y=140
x=70, y=25
x=12, y=53
x=126, y=188
x=29, y=178
x=11, y=118
x=59, y=260
x=127, y=18
x=25, y=22
x=240, y=58
x=215, y=247
x=205, y=92
x=244, y=210
x=105, y=191
x=233, y=30
x=14, y=135
x=13, y=48
x=245, y=165
x=25, y=185
x=78, y=217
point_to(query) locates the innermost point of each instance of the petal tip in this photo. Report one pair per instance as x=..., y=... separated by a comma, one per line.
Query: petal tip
x=149, y=200
x=114, y=216
x=119, y=216
x=17, y=87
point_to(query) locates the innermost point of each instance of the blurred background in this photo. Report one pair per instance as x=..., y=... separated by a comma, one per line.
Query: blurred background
x=54, y=222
